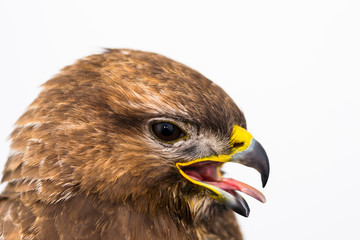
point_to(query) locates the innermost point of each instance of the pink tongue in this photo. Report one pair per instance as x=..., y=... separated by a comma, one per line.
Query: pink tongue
x=229, y=184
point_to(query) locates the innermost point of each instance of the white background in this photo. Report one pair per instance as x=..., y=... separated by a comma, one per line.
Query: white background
x=292, y=66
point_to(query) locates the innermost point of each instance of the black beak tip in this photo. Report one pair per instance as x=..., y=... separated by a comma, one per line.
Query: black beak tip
x=264, y=165
x=242, y=213
x=264, y=179
x=241, y=207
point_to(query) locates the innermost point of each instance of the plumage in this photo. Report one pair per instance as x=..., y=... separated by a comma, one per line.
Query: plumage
x=85, y=163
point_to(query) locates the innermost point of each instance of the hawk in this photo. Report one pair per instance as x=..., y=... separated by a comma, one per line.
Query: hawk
x=128, y=145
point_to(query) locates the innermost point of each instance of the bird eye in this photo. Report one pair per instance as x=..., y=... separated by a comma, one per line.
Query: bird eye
x=166, y=131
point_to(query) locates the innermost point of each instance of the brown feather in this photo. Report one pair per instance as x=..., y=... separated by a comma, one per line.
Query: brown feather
x=84, y=165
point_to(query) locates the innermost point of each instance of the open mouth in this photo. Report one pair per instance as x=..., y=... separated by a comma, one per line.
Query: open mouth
x=208, y=172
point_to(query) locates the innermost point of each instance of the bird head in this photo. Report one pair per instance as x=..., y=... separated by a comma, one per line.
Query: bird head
x=134, y=128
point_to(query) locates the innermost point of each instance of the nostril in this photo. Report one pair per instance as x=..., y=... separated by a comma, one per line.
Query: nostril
x=238, y=144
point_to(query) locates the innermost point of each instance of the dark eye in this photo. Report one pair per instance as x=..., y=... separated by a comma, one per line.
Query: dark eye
x=166, y=131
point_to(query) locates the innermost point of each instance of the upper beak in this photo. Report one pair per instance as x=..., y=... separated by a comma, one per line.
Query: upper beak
x=255, y=157
x=249, y=152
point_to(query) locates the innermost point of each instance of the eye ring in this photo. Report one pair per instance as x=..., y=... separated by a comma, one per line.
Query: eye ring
x=167, y=131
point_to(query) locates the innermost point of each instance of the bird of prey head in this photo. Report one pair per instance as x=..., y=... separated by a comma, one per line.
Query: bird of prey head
x=137, y=130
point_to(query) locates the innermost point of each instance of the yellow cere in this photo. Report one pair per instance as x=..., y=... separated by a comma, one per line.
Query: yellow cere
x=239, y=137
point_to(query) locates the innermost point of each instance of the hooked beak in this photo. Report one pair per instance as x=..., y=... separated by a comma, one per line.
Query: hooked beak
x=254, y=157
x=206, y=171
